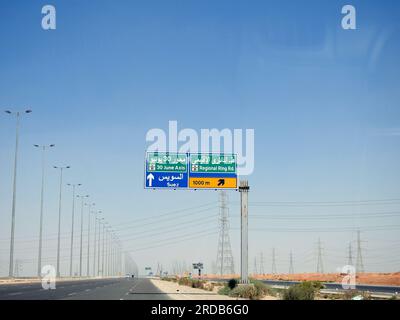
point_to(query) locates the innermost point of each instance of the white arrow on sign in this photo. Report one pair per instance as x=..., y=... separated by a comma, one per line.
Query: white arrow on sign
x=150, y=177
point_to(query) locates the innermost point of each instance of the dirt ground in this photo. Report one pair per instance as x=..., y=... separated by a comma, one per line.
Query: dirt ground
x=390, y=279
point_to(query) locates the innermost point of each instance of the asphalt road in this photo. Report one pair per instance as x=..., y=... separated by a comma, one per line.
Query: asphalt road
x=103, y=289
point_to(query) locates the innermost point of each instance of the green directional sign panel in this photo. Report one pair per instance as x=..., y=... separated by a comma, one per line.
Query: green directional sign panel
x=213, y=163
x=166, y=162
x=166, y=170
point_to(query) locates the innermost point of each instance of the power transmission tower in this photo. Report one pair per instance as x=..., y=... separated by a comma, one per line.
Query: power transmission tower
x=261, y=263
x=158, y=268
x=291, y=268
x=17, y=268
x=320, y=266
x=224, y=254
x=255, y=271
x=273, y=262
x=350, y=256
x=359, y=263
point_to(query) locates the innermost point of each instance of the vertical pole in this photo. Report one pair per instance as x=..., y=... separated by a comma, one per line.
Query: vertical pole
x=59, y=224
x=94, y=244
x=72, y=231
x=11, y=268
x=80, y=254
x=88, y=248
x=244, y=199
x=102, y=260
x=98, y=251
x=106, y=254
x=39, y=271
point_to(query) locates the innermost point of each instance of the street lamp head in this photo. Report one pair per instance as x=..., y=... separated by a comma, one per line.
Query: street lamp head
x=8, y=111
x=67, y=167
x=36, y=145
x=55, y=167
x=52, y=145
x=28, y=111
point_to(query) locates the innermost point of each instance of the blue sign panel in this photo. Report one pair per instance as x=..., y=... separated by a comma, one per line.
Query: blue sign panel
x=166, y=170
x=166, y=180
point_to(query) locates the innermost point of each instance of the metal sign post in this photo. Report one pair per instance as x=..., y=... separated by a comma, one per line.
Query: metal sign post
x=244, y=202
x=198, y=266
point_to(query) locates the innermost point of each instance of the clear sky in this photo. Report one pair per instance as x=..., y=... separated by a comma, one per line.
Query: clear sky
x=323, y=101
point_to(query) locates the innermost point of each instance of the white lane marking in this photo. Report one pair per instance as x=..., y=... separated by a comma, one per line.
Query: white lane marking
x=15, y=293
x=87, y=290
x=72, y=294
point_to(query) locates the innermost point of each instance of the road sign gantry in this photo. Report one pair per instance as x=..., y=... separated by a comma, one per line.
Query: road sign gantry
x=165, y=170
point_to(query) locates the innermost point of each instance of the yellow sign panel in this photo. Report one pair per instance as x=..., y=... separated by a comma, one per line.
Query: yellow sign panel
x=212, y=183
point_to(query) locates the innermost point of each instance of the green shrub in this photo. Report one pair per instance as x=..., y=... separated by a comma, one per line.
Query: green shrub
x=184, y=281
x=245, y=291
x=199, y=284
x=194, y=283
x=301, y=291
x=262, y=288
x=232, y=284
x=350, y=294
x=225, y=290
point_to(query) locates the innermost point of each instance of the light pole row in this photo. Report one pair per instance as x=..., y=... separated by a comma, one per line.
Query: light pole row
x=107, y=264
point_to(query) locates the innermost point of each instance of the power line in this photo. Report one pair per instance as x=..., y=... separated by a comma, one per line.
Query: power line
x=320, y=266
x=224, y=253
x=350, y=256
x=291, y=267
x=359, y=264
x=255, y=270
x=334, y=229
x=324, y=203
x=262, y=263
x=273, y=262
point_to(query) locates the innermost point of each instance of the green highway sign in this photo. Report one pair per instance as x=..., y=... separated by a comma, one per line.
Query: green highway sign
x=166, y=170
x=166, y=162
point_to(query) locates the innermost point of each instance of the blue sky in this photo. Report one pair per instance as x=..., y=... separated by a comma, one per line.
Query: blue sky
x=319, y=98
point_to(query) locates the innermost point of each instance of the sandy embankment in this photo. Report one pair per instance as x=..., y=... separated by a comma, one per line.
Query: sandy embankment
x=178, y=292
x=7, y=281
x=388, y=279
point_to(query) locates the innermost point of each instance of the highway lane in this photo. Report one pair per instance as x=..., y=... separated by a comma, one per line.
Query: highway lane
x=97, y=289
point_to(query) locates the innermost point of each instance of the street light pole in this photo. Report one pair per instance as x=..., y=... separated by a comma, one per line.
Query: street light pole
x=244, y=204
x=72, y=226
x=88, y=245
x=102, y=261
x=14, y=199
x=43, y=147
x=95, y=242
x=98, y=251
x=59, y=217
x=81, y=249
